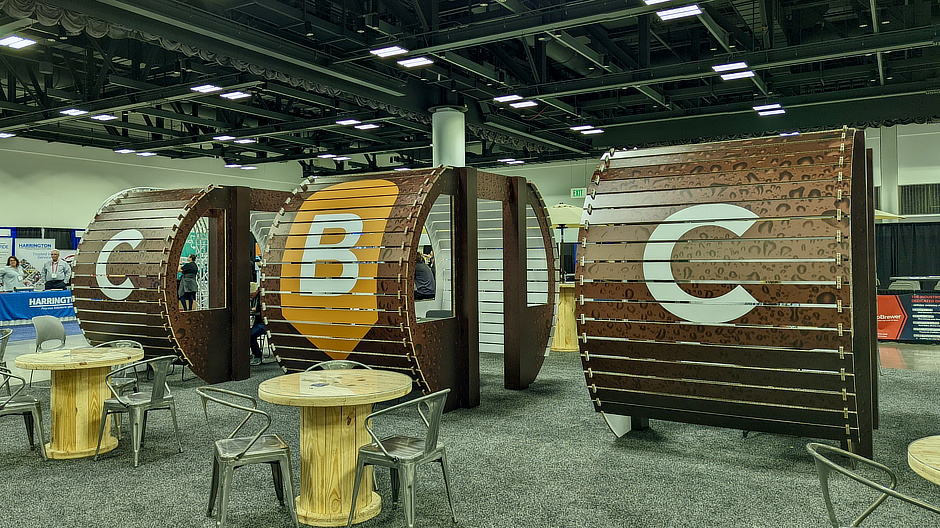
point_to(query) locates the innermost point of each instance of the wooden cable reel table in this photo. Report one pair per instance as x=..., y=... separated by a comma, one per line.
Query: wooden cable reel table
x=924, y=458
x=334, y=405
x=77, y=393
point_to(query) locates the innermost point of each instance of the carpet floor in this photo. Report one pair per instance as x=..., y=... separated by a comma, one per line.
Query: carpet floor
x=535, y=458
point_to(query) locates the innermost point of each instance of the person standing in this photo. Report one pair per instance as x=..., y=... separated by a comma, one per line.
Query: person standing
x=257, y=325
x=425, y=284
x=11, y=276
x=188, y=286
x=56, y=273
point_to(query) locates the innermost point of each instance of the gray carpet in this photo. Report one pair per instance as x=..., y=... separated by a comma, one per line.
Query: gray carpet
x=535, y=458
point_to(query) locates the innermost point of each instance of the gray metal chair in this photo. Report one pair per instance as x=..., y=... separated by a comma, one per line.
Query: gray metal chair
x=403, y=454
x=25, y=405
x=48, y=328
x=338, y=364
x=122, y=384
x=233, y=452
x=824, y=466
x=138, y=404
x=5, y=334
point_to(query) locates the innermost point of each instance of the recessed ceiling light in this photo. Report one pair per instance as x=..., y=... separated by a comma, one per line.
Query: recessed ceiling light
x=593, y=131
x=105, y=117
x=326, y=156
x=235, y=95
x=22, y=43
x=245, y=141
x=399, y=169
x=506, y=160
x=367, y=126
x=654, y=2
x=415, y=62
x=206, y=88
x=389, y=51
x=516, y=162
x=73, y=112
x=737, y=75
x=582, y=127
x=10, y=40
x=342, y=158
x=679, y=12
x=5, y=135
x=249, y=167
x=233, y=165
x=146, y=154
x=772, y=112
x=523, y=104
x=789, y=134
x=223, y=138
x=762, y=108
x=125, y=151
x=729, y=67
x=508, y=98
x=348, y=122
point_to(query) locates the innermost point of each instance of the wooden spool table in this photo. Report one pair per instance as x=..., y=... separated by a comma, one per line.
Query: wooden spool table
x=77, y=393
x=334, y=405
x=924, y=458
x=566, y=328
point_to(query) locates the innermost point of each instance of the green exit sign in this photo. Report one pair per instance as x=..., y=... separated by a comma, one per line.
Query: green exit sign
x=578, y=192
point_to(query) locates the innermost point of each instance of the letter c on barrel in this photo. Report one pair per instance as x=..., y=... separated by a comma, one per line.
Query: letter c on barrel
x=131, y=237
x=657, y=265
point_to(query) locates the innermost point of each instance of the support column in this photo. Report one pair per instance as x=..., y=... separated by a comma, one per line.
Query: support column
x=890, y=197
x=448, y=135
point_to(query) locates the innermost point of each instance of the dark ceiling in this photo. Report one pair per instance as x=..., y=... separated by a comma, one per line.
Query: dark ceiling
x=306, y=64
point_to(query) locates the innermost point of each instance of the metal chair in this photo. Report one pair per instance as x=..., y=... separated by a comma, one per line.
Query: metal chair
x=138, y=404
x=48, y=328
x=403, y=454
x=824, y=466
x=233, y=452
x=5, y=334
x=338, y=364
x=904, y=286
x=26, y=405
x=122, y=384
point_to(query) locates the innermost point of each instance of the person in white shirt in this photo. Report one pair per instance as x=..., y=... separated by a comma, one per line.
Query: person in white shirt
x=11, y=275
x=56, y=273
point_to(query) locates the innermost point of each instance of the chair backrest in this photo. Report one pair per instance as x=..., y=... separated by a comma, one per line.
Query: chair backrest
x=5, y=334
x=338, y=364
x=48, y=328
x=824, y=466
x=5, y=378
x=160, y=366
x=437, y=314
x=430, y=408
x=120, y=343
x=217, y=395
x=904, y=285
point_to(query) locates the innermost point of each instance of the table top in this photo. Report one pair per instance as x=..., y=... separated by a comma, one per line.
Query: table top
x=79, y=358
x=332, y=388
x=924, y=458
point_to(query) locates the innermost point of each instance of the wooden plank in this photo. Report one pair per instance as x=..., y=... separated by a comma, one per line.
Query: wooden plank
x=762, y=293
x=102, y=234
x=117, y=327
x=120, y=306
x=759, y=315
x=150, y=223
x=121, y=269
x=723, y=271
x=718, y=160
x=783, y=208
x=142, y=214
x=149, y=205
x=383, y=286
x=720, y=194
x=763, y=229
x=806, y=248
x=649, y=178
x=123, y=317
x=117, y=282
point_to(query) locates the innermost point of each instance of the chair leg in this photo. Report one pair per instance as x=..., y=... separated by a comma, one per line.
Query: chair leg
x=176, y=425
x=408, y=492
x=277, y=473
x=104, y=421
x=116, y=420
x=143, y=427
x=214, y=487
x=352, y=505
x=28, y=418
x=138, y=421
x=396, y=484
x=288, y=481
x=445, y=469
x=37, y=423
x=227, y=473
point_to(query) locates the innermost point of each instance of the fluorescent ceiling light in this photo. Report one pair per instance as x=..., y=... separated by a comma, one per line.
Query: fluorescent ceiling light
x=326, y=156
x=415, y=62
x=342, y=158
x=679, y=12
x=579, y=128
x=245, y=141
x=146, y=154
x=233, y=165
x=389, y=51
x=729, y=67
x=506, y=160
x=104, y=117
x=348, y=122
x=249, y=167
x=10, y=40
x=22, y=44
x=772, y=112
x=5, y=135
x=516, y=162
x=593, y=131
x=523, y=104
x=399, y=169
x=367, y=126
x=761, y=108
x=654, y=2
x=737, y=75
x=508, y=98
x=223, y=138
x=789, y=134
x=206, y=88
x=73, y=112
x=125, y=151
x=235, y=95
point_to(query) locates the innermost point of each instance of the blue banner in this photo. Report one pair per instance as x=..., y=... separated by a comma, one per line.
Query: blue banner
x=26, y=305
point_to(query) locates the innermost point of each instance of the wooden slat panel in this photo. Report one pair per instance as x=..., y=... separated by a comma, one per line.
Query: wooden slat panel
x=126, y=329
x=141, y=214
x=124, y=317
x=762, y=293
x=645, y=179
x=121, y=205
x=724, y=249
x=119, y=306
x=722, y=194
x=731, y=271
x=760, y=157
x=765, y=209
x=760, y=315
x=762, y=229
x=100, y=234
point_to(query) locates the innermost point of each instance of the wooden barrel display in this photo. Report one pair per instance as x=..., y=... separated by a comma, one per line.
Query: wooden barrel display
x=125, y=275
x=338, y=279
x=730, y=284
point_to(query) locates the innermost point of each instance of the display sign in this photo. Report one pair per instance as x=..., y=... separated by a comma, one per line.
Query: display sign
x=26, y=305
x=909, y=317
x=33, y=253
x=578, y=192
x=6, y=249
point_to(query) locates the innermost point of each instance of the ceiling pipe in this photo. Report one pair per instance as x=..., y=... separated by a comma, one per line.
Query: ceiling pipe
x=876, y=27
